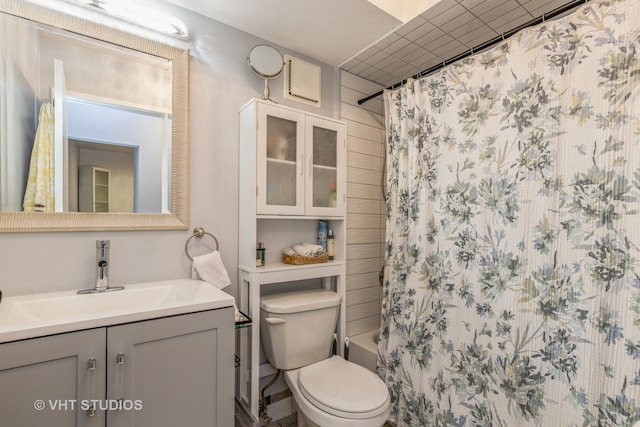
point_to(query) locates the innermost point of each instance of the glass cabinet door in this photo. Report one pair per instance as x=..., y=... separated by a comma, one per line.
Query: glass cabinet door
x=280, y=156
x=325, y=148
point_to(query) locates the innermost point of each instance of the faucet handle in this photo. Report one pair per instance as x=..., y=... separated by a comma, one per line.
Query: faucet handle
x=103, y=244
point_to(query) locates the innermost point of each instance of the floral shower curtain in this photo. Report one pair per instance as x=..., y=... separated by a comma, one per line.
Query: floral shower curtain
x=512, y=283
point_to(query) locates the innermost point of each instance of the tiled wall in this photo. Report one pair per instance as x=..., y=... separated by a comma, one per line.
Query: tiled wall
x=365, y=205
x=445, y=30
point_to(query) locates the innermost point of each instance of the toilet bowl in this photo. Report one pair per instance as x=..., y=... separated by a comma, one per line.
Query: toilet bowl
x=297, y=331
x=338, y=393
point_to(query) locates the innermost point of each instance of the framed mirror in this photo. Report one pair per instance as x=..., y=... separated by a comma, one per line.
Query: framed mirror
x=115, y=108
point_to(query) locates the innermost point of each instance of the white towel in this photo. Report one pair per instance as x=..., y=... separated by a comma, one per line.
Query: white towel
x=289, y=251
x=308, y=249
x=209, y=267
x=301, y=249
x=315, y=249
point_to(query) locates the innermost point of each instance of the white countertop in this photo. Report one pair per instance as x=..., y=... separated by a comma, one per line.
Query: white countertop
x=35, y=315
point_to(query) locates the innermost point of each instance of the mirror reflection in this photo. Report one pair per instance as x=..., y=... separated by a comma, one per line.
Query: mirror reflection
x=85, y=126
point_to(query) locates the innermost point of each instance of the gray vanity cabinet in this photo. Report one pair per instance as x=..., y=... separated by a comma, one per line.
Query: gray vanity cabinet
x=180, y=369
x=169, y=371
x=44, y=380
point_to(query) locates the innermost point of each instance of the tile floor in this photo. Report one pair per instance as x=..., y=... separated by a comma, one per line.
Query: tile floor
x=243, y=419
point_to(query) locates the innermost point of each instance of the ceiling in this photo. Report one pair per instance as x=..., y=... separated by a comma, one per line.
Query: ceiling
x=330, y=31
x=363, y=39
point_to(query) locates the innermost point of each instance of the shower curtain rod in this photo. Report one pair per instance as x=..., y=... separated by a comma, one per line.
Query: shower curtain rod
x=549, y=15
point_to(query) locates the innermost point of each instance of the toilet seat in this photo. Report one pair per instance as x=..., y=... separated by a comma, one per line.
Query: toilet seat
x=343, y=389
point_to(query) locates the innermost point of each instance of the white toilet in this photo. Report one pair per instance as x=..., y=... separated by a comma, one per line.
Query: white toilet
x=297, y=334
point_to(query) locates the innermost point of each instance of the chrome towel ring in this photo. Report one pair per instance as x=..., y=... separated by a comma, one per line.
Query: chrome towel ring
x=198, y=232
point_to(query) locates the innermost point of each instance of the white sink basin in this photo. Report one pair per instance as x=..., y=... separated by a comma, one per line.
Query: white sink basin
x=28, y=316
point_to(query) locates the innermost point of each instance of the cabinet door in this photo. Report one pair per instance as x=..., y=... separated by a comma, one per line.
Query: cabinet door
x=93, y=189
x=280, y=161
x=101, y=186
x=49, y=381
x=325, y=148
x=174, y=371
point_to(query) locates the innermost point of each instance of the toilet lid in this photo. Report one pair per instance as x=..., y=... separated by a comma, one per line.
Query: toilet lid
x=344, y=389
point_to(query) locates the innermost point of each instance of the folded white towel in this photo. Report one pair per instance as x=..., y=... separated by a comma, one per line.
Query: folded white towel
x=315, y=249
x=301, y=249
x=308, y=249
x=209, y=267
x=289, y=251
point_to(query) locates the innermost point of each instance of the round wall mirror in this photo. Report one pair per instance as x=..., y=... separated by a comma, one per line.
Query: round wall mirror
x=267, y=63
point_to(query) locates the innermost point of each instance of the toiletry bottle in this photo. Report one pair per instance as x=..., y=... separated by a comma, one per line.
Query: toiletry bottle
x=334, y=195
x=330, y=244
x=260, y=253
x=323, y=227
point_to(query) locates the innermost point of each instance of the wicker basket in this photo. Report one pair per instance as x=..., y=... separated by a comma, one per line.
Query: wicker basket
x=300, y=260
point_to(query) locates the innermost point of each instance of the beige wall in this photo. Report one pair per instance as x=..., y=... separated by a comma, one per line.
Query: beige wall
x=365, y=205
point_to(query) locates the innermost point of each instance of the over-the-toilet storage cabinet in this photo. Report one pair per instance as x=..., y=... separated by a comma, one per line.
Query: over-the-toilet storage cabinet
x=291, y=174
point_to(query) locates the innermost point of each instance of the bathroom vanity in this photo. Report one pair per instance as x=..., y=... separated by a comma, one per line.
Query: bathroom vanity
x=154, y=354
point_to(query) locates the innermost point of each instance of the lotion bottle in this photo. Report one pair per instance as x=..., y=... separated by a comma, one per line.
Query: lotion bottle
x=330, y=244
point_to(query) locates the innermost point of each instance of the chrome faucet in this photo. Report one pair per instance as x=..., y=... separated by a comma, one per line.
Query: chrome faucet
x=102, y=264
x=102, y=270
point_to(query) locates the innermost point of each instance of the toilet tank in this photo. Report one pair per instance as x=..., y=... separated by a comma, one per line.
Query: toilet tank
x=296, y=328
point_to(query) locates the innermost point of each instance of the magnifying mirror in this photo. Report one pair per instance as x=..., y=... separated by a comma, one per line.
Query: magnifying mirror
x=265, y=62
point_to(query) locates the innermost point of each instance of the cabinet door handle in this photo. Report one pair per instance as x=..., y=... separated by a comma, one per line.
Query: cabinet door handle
x=310, y=166
x=120, y=376
x=91, y=383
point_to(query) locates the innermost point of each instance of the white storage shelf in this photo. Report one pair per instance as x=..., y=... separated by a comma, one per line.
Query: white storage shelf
x=278, y=234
